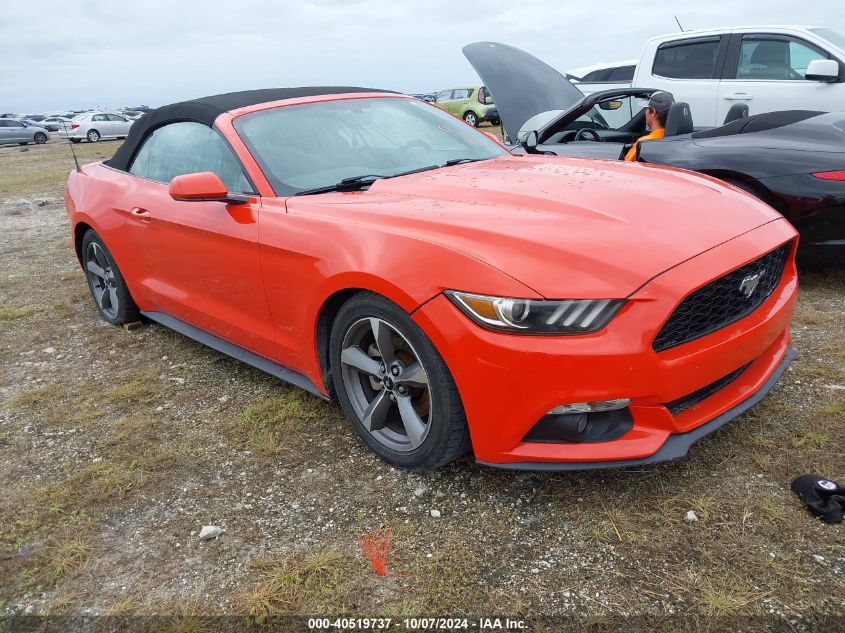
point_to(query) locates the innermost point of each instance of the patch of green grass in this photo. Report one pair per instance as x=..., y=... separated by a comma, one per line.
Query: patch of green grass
x=141, y=389
x=18, y=312
x=276, y=424
x=36, y=397
x=313, y=582
x=62, y=558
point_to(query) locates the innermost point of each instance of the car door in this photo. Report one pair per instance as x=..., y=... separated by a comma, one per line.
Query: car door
x=17, y=132
x=690, y=69
x=101, y=123
x=6, y=133
x=442, y=99
x=201, y=259
x=460, y=101
x=120, y=125
x=767, y=73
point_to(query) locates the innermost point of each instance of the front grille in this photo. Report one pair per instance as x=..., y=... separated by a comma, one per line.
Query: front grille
x=691, y=399
x=723, y=301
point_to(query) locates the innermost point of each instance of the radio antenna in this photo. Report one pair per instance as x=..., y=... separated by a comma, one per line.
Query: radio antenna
x=678, y=23
x=70, y=144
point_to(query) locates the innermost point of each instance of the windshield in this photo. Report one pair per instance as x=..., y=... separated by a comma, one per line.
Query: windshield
x=316, y=145
x=837, y=38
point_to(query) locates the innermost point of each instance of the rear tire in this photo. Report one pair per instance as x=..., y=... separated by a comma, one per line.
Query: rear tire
x=754, y=191
x=394, y=386
x=106, y=283
x=93, y=136
x=471, y=118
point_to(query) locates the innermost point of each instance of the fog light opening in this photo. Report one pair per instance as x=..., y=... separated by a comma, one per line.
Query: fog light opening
x=581, y=427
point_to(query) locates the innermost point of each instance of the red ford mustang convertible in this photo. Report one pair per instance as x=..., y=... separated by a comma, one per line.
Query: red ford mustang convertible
x=546, y=313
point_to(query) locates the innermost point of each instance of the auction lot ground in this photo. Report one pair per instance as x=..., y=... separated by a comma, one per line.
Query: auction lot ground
x=116, y=447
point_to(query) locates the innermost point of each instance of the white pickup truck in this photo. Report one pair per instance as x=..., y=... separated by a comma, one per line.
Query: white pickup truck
x=767, y=68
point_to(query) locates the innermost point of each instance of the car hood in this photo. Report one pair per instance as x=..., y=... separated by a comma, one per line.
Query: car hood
x=521, y=84
x=533, y=96
x=565, y=227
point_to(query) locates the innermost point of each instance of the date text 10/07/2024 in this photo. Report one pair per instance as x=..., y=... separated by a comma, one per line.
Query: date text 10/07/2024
x=417, y=624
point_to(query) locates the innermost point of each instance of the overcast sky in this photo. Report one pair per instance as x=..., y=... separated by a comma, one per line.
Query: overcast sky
x=68, y=54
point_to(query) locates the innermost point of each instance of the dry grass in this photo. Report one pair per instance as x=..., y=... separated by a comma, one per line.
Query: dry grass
x=109, y=466
x=312, y=582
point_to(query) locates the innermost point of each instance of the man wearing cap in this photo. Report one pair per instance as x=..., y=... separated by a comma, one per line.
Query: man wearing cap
x=655, y=119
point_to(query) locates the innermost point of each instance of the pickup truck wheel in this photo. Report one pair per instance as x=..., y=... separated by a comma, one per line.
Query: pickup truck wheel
x=107, y=285
x=394, y=386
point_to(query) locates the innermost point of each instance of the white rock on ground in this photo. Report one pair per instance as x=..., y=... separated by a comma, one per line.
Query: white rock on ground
x=691, y=517
x=818, y=559
x=209, y=532
x=419, y=491
x=435, y=514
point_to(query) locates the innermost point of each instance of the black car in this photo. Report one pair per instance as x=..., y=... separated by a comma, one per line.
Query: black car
x=794, y=160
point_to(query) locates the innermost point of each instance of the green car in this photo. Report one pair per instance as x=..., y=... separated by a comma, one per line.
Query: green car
x=473, y=104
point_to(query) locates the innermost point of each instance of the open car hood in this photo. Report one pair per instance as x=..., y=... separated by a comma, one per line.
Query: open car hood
x=531, y=95
x=521, y=84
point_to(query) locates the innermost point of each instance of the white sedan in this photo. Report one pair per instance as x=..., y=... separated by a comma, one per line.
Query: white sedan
x=96, y=125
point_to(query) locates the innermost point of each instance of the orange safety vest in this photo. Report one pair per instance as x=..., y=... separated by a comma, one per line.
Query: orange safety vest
x=632, y=153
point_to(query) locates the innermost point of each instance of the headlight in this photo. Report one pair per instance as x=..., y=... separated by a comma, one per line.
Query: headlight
x=527, y=316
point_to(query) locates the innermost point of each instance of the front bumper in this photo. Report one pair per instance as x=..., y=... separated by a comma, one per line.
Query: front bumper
x=508, y=382
x=678, y=444
x=491, y=116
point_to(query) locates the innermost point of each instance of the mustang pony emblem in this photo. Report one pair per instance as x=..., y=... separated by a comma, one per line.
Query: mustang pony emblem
x=749, y=284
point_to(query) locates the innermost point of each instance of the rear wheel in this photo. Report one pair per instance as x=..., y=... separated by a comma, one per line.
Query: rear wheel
x=394, y=386
x=40, y=138
x=107, y=285
x=754, y=191
x=471, y=118
x=93, y=136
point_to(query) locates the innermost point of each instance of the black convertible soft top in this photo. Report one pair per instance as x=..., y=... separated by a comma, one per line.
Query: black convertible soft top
x=206, y=110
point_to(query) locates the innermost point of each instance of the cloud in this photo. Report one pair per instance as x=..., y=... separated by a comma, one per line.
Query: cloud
x=88, y=54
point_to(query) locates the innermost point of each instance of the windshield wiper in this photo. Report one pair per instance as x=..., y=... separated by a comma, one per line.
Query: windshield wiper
x=458, y=161
x=353, y=183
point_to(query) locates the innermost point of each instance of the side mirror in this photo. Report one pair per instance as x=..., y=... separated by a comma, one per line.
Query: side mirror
x=822, y=70
x=528, y=141
x=610, y=105
x=204, y=186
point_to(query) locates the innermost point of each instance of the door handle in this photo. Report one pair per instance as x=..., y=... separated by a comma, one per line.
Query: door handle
x=140, y=214
x=736, y=96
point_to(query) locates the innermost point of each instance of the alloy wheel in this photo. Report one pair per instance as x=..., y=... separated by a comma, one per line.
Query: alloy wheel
x=470, y=118
x=386, y=383
x=101, y=280
x=93, y=136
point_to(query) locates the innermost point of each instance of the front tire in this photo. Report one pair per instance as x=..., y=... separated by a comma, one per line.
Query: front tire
x=40, y=138
x=108, y=288
x=93, y=136
x=471, y=118
x=394, y=386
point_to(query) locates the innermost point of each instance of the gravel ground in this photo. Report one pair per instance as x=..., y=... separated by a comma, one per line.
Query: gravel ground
x=117, y=446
